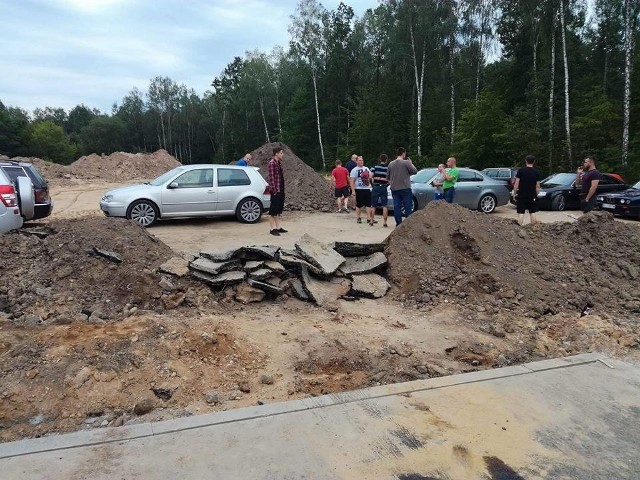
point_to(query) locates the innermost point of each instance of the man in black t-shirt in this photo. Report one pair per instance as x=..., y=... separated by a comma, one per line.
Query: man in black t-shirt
x=525, y=190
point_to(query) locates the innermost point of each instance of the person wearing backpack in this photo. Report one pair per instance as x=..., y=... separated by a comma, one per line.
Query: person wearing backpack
x=360, y=178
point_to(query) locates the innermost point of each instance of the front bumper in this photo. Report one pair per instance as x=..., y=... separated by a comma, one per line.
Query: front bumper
x=113, y=209
x=618, y=209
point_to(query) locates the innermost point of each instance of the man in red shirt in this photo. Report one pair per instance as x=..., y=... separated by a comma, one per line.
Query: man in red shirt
x=341, y=176
x=276, y=185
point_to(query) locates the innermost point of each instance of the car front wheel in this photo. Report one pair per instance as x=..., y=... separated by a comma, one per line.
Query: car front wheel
x=249, y=210
x=558, y=203
x=143, y=212
x=487, y=203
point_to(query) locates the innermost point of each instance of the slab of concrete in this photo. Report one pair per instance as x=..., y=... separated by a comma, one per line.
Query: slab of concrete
x=573, y=418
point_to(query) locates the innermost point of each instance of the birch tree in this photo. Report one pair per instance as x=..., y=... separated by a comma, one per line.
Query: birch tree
x=307, y=41
x=630, y=22
x=552, y=81
x=567, y=122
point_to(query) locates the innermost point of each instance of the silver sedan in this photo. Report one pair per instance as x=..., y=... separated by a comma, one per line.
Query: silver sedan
x=192, y=191
x=473, y=190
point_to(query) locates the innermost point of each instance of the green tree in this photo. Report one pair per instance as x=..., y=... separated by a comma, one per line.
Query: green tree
x=48, y=140
x=104, y=135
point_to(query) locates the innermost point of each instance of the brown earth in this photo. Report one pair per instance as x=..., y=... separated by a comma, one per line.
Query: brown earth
x=83, y=339
x=305, y=189
x=117, y=167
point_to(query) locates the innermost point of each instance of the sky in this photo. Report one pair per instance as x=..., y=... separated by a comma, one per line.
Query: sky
x=63, y=53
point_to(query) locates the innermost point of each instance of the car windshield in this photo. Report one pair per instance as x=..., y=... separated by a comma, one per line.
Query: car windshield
x=424, y=175
x=164, y=177
x=558, y=179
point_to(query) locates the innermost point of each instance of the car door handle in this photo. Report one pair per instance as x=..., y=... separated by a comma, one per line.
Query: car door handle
x=211, y=191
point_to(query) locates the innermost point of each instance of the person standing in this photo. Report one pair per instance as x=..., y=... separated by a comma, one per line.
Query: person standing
x=351, y=163
x=342, y=191
x=588, y=176
x=244, y=161
x=360, y=178
x=379, y=192
x=399, y=177
x=449, y=179
x=525, y=190
x=276, y=185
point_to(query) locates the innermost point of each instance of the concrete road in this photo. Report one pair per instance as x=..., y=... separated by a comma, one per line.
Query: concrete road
x=572, y=418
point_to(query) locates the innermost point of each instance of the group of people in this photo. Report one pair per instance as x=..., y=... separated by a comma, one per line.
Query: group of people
x=369, y=186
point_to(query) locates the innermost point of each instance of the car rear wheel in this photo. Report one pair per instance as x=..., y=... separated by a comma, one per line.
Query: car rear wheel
x=249, y=210
x=558, y=203
x=487, y=203
x=143, y=212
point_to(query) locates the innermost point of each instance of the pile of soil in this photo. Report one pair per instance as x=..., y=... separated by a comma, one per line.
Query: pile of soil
x=305, y=189
x=446, y=251
x=117, y=167
x=121, y=166
x=62, y=277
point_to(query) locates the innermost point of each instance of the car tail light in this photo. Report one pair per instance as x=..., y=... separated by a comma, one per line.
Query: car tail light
x=42, y=195
x=267, y=190
x=8, y=196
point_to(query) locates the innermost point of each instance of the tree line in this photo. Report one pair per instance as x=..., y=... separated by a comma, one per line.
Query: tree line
x=487, y=81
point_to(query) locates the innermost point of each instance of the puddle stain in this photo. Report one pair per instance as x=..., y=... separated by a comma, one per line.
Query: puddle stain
x=500, y=470
x=417, y=476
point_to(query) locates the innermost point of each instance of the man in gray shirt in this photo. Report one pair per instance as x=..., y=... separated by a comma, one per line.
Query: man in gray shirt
x=399, y=176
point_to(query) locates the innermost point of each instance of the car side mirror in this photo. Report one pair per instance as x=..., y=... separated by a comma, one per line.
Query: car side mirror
x=173, y=185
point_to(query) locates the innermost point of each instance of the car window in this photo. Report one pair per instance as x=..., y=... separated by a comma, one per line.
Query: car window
x=504, y=174
x=195, y=178
x=14, y=172
x=468, y=176
x=490, y=173
x=229, y=177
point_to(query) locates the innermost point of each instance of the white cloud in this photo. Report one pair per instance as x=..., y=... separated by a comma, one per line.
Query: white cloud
x=61, y=53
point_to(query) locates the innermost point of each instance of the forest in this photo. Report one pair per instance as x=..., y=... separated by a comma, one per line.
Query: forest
x=488, y=81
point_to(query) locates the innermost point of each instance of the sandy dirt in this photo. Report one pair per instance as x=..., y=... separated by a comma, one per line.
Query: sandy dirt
x=62, y=371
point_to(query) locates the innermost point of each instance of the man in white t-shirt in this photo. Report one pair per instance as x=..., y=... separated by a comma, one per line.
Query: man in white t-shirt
x=360, y=178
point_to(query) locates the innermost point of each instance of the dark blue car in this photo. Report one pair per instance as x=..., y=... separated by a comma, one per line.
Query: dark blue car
x=625, y=203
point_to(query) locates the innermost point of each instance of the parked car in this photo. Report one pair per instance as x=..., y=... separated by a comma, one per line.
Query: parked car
x=625, y=203
x=43, y=204
x=560, y=191
x=10, y=217
x=192, y=191
x=505, y=174
x=473, y=190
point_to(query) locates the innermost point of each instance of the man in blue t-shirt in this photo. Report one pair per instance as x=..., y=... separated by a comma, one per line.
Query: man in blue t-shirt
x=244, y=161
x=379, y=195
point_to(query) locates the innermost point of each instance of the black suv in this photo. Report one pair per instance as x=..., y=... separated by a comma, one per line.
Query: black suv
x=43, y=204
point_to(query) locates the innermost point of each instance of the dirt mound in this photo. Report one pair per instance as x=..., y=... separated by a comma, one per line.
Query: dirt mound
x=447, y=253
x=305, y=189
x=122, y=166
x=63, y=277
x=49, y=170
x=117, y=167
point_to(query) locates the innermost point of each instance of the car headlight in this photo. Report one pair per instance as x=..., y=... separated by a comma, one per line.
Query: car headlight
x=542, y=194
x=624, y=201
x=600, y=199
x=107, y=198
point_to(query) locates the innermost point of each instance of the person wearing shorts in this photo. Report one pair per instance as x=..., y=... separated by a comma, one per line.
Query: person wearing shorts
x=342, y=191
x=360, y=178
x=276, y=186
x=525, y=190
x=379, y=195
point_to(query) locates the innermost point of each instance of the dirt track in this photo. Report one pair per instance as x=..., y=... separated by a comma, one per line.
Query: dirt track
x=194, y=235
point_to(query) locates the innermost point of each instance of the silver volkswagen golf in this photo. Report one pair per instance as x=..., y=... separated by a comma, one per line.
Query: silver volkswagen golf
x=192, y=191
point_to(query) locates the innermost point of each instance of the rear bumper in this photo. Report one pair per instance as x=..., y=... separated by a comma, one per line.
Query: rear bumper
x=42, y=210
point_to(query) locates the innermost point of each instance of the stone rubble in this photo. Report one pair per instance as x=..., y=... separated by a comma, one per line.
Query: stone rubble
x=314, y=271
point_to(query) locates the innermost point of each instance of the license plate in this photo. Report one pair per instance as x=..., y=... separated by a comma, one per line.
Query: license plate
x=608, y=205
